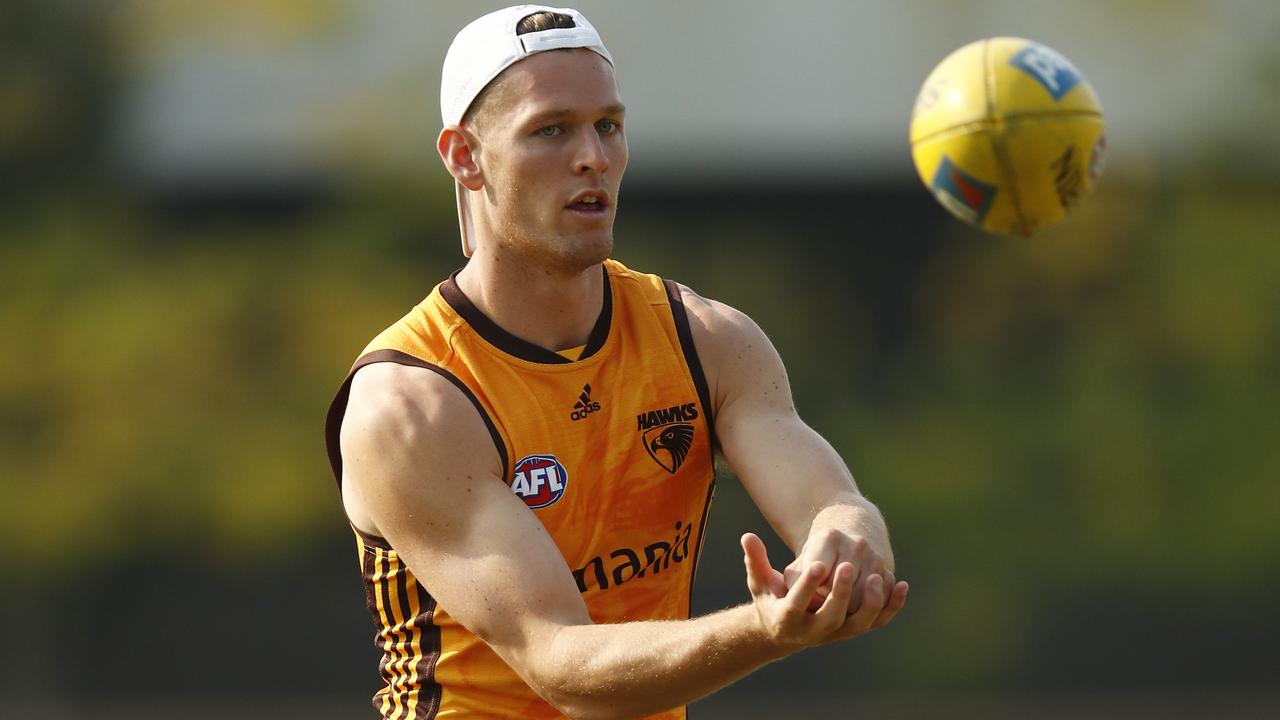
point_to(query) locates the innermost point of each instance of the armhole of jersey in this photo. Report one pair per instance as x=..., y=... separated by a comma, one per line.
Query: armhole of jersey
x=685, y=334
x=338, y=410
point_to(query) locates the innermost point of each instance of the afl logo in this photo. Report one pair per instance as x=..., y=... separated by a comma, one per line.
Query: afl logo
x=539, y=480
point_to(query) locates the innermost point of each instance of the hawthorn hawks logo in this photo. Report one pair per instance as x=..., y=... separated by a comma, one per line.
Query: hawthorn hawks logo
x=667, y=434
x=539, y=480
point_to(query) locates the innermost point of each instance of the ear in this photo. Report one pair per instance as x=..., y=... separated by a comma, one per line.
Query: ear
x=460, y=150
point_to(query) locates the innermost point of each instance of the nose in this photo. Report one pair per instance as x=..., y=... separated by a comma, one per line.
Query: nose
x=590, y=156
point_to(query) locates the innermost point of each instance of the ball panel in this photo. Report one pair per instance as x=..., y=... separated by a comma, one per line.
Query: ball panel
x=954, y=94
x=961, y=170
x=1027, y=77
x=1049, y=162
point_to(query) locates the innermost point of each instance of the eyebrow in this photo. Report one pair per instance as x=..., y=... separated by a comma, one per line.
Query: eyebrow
x=551, y=116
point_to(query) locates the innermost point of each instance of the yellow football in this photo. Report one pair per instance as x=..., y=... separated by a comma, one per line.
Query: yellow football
x=1008, y=135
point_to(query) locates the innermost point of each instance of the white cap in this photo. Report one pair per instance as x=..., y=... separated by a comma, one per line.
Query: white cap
x=486, y=47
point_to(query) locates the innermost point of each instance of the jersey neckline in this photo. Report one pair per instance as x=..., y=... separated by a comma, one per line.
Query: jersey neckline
x=517, y=347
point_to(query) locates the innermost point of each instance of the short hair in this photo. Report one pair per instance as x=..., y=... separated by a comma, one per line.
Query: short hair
x=537, y=22
x=544, y=20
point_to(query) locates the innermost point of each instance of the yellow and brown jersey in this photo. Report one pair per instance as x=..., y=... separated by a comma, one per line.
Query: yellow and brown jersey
x=612, y=451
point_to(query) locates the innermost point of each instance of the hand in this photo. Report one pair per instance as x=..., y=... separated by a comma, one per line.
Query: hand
x=831, y=547
x=783, y=612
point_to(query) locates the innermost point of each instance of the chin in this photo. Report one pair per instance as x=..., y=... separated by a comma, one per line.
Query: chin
x=567, y=254
x=599, y=249
x=576, y=253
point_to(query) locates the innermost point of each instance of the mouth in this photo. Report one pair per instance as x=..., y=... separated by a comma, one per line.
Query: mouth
x=592, y=203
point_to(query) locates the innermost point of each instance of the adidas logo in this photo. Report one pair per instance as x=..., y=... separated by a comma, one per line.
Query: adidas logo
x=585, y=405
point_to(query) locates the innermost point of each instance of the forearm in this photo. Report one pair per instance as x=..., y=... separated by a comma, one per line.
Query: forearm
x=639, y=668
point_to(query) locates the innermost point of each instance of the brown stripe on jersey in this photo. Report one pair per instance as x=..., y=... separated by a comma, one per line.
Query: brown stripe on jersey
x=380, y=619
x=338, y=408
x=370, y=540
x=496, y=336
x=680, y=315
x=600, y=331
x=399, y=637
x=409, y=601
x=366, y=574
x=405, y=608
x=424, y=700
x=371, y=572
x=406, y=675
x=702, y=534
x=333, y=427
x=430, y=695
x=685, y=334
x=493, y=333
x=390, y=644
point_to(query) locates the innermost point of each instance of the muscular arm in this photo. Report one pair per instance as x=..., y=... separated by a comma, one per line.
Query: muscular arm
x=420, y=470
x=794, y=475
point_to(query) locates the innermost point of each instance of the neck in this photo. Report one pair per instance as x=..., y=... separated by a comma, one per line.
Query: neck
x=553, y=310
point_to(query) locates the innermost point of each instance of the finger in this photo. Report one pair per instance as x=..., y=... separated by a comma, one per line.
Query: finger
x=820, y=596
x=873, y=599
x=890, y=581
x=828, y=551
x=800, y=593
x=831, y=613
x=756, y=558
x=864, y=563
x=887, y=580
x=891, y=608
x=859, y=589
x=791, y=572
x=857, y=552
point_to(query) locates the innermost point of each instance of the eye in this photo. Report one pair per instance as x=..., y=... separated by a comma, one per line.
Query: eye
x=549, y=131
x=608, y=127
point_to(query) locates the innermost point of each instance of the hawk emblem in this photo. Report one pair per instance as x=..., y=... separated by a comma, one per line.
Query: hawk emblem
x=668, y=445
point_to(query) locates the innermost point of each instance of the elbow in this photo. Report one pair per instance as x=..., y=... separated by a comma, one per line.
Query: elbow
x=579, y=712
x=567, y=693
x=587, y=711
x=578, y=682
x=571, y=702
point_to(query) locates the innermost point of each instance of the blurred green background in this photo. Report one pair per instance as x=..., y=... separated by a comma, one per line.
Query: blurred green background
x=1074, y=438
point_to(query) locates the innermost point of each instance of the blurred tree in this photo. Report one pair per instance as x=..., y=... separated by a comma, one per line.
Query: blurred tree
x=1073, y=437
x=56, y=84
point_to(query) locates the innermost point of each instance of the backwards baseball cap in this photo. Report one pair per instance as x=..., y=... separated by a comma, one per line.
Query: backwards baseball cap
x=486, y=47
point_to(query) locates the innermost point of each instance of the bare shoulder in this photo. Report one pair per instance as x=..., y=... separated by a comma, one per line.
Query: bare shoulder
x=388, y=395
x=716, y=320
x=737, y=356
x=401, y=419
x=401, y=405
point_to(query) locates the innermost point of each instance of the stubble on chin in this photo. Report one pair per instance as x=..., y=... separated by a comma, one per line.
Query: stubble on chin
x=556, y=255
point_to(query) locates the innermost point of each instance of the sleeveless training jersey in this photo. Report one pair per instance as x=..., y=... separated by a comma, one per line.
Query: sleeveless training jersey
x=612, y=452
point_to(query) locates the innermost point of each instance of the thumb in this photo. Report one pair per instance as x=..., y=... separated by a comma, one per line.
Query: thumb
x=756, y=558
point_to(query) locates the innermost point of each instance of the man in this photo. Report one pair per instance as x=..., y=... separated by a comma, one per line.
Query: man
x=526, y=457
